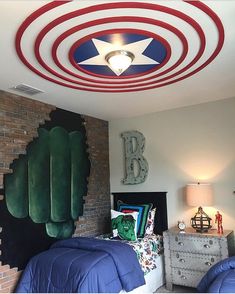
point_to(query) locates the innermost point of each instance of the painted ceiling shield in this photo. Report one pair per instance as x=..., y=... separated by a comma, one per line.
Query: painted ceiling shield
x=184, y=38
x=149, y=53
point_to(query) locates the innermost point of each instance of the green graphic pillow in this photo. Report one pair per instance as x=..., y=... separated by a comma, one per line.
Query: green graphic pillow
x=124, y=225
x=142, y=209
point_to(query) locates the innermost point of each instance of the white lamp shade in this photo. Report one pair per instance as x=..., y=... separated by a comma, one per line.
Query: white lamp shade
x=199, y=194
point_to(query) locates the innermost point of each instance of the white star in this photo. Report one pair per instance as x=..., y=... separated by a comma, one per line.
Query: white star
x=136, y=48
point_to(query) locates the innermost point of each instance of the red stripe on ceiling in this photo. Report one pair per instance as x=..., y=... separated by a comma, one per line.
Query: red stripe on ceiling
x=128, y=79
x=38, y=56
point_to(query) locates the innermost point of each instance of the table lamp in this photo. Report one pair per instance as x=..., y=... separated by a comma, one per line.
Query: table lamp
x=200, y=195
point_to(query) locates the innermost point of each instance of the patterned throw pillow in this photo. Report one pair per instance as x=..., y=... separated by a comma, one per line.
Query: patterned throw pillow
x=142, y=209
x=150, y=222
x=124, y=225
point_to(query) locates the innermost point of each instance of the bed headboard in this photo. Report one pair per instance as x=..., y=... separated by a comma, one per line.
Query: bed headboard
x=158, y=199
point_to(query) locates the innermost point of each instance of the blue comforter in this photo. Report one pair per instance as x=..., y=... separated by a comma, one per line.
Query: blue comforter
x=220, y=278
x=83, y=265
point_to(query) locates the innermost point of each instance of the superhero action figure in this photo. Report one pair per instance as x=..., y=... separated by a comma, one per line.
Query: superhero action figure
x=218, y=220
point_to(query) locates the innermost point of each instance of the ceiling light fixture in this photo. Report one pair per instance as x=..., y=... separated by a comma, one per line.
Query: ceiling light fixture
x=119, y=60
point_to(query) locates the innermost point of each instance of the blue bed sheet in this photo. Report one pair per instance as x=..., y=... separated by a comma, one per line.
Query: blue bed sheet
x=220, y=278
x=82, y=265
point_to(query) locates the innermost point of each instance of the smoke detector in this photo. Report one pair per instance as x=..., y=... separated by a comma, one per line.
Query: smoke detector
x=26, y=89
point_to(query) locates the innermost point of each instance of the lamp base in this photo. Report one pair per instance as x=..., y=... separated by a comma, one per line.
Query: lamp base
x=201, y=230
x=201, y=222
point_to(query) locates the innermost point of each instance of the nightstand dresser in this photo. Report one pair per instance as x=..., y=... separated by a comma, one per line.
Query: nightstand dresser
x=189, y=255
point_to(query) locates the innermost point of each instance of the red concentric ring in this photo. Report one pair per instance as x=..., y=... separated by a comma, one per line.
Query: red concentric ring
x=140, y=82
x=56, y=60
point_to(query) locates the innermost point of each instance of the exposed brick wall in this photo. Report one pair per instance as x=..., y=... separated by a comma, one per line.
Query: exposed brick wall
x=97, y=205
x=19, y=119
x=8, y=278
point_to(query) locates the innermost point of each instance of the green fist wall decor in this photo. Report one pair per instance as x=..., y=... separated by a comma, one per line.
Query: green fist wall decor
x=49, y=182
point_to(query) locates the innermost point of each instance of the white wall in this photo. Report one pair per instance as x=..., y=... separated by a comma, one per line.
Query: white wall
x=185, y=145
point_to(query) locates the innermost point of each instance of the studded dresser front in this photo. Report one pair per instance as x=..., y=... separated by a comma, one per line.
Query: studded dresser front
x=189, y=255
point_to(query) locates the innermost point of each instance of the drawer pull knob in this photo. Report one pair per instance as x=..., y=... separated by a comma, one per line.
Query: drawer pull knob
x=181, y=260
x=183, y=278
x=181, y=243
x=207, y=263
x=206, y=246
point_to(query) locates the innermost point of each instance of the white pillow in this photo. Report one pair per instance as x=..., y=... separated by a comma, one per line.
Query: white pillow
x=150, y=222
x=124, y=225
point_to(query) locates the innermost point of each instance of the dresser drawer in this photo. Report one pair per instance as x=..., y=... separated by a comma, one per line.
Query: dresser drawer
x=193, y=261
x=205, y=245
x=186, y=277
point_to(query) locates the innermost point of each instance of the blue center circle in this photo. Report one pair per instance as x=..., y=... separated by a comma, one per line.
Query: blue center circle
x=86, y=50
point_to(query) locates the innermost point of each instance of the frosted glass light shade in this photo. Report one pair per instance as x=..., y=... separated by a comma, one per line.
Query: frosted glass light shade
x=199, y=194
x=119, y=60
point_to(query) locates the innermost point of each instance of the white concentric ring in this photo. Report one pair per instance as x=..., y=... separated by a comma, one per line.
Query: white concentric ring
x=190, y=46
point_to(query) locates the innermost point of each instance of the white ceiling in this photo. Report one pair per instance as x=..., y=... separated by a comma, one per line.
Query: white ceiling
x=214, y=82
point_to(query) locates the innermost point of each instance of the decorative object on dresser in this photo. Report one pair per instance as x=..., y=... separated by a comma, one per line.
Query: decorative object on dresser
x=219, y=221
x=197, y=195
x=181, y=225
x=189, y=256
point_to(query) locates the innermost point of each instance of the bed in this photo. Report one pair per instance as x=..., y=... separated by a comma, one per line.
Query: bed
x=155, y=277
x=95, y=265
x=149, y=253
x=220, y=278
